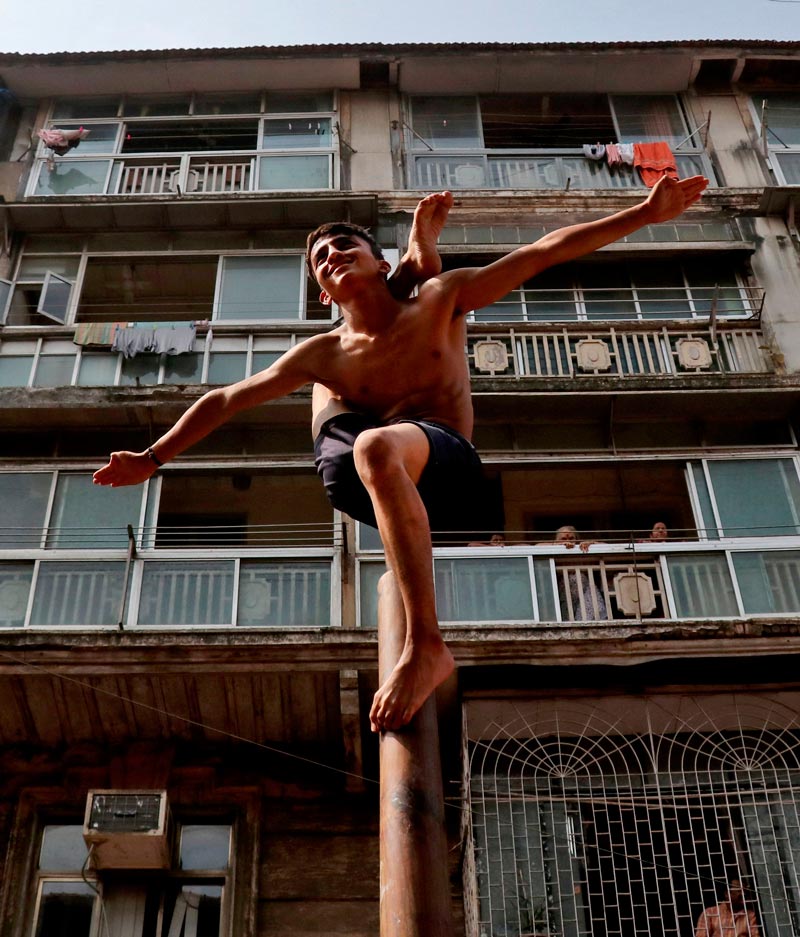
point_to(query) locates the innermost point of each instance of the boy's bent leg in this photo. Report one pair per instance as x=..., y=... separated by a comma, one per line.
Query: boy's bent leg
x=390, y=461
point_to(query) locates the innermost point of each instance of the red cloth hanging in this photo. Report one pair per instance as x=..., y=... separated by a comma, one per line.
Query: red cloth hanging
x=654, y=160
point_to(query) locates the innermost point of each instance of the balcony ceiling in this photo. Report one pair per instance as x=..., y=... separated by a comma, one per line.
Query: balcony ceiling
x=103, y=213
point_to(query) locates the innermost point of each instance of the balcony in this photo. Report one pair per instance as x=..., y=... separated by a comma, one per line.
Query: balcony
x=528, y=171
x=613, y=584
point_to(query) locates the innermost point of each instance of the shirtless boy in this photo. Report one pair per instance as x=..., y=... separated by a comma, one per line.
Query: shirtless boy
x=395, y=402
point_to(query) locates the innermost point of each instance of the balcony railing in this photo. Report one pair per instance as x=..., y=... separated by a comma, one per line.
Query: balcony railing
x=526, y=350
x=612, y=584
x=514, y=350
x=185, y=590
x=264, y=171
x=530, y=171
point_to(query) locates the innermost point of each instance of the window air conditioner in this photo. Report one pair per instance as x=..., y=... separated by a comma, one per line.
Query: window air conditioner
x=128, y=829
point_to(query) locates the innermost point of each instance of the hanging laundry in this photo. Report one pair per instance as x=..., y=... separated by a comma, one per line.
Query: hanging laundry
x=595, y=151
x=613, y=157
x=626, y=152
x=141, y=337
x=132, y=341
x=654, y=160
x=174, y=341
x=62, y=141
x=96, y=333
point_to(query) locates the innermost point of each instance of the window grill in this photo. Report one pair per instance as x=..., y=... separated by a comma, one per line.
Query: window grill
x=626, y=818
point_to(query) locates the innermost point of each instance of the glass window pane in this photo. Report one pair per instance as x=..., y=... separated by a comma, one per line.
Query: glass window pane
x=261, y=287
x=15, y=587
x=710, y=280
x=84, y=177
x=5, y=295
x=15, y=370
x=484, y=589
x=284, y=594
x=661, y=291
x=63, y=849
x=205, y=847
x=649, y=119
x=65, y=910
x=192, y=910
x=85, y=108
x=54, y=300
x=263, y=359
x=550, y=296
x=35, y=269
x=226, y=367
x=280, y=102
x=783, y=118
x=370, y=574
x=102, y=138
x=294, y=172
x=790, y=166
x=141, y=370
x=183, y=369
x=706, y=524
x=757, y=497
x=607, y=293
x=23, y=507
x=369, y=538
x=164, y=106
x=446, y=122
x=78, y=594
x=544, y=590
x=701, y=585
x=87, y=516
x=97, y=370
x=54, y=371
x=769, y=582
x=187, y=593
x=297, y=132
x=227, y=103
x=508, y=309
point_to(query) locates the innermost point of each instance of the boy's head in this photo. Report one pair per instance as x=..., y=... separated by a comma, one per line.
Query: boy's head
x=331, y=229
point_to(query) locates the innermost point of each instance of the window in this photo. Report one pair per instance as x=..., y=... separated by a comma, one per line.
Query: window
x=192, y=143
x=191, y=900
x=778, y=116
x=41, y=292
x=747, y=497
x=533, y=141
x=593, y=817
x=627, y=291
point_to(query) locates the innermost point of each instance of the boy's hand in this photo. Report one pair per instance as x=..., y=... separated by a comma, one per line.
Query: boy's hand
x=125, y=468
x=670, y=197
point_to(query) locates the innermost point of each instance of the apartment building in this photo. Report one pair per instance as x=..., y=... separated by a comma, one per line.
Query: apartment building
x=186, y=667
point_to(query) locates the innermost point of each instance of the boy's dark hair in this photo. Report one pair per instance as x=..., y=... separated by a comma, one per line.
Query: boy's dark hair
x=340, y=227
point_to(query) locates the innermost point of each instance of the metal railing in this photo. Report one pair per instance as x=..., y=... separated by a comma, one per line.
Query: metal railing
x=530, y=171
x=614, y=584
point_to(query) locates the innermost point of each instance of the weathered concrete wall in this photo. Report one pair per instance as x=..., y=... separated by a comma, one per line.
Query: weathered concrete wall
x=371, y=163
x=733, y=138
x=777, y=268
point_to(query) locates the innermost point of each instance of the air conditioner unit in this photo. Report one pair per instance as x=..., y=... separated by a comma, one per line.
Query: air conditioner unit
x=128, y=829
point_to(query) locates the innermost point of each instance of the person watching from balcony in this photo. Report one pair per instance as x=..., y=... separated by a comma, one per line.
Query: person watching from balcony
x=393, y=409
x=584, y=601
x=730, y=918
x=658, y=534
x=496, y=540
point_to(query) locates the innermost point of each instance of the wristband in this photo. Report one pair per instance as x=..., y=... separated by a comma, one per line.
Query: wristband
x=153, y=457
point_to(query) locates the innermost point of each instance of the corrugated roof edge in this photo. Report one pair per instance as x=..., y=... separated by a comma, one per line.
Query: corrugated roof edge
x=373, y=48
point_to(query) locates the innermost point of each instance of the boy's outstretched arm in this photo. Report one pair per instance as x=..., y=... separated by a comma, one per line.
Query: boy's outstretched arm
x=212, y=410
x=477, y=287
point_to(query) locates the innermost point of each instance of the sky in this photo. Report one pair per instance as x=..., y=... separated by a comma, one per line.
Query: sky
x=108, y=25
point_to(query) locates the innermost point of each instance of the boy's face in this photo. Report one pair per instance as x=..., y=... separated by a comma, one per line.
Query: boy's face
x=336, y=258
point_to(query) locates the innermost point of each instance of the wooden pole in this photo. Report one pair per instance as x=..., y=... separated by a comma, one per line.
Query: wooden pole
x=415, y=887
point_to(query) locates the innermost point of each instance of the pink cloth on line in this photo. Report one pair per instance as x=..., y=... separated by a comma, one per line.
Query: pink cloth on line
x=62, y=141
x=654, y=160
x=613, y=156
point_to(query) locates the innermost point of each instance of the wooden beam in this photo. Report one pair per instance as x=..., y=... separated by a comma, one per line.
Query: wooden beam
x=415, y=890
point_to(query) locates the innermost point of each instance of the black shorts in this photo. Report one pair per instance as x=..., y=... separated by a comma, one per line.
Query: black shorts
x=453, y=487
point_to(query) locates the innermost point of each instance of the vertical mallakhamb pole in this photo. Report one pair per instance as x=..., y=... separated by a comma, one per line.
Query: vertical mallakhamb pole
x=415, y=889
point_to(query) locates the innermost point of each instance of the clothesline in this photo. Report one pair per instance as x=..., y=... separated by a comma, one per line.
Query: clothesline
x=653, y=160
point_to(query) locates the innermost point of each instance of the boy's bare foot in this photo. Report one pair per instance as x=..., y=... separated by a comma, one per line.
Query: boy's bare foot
x=430, y=216
x=415, y=676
